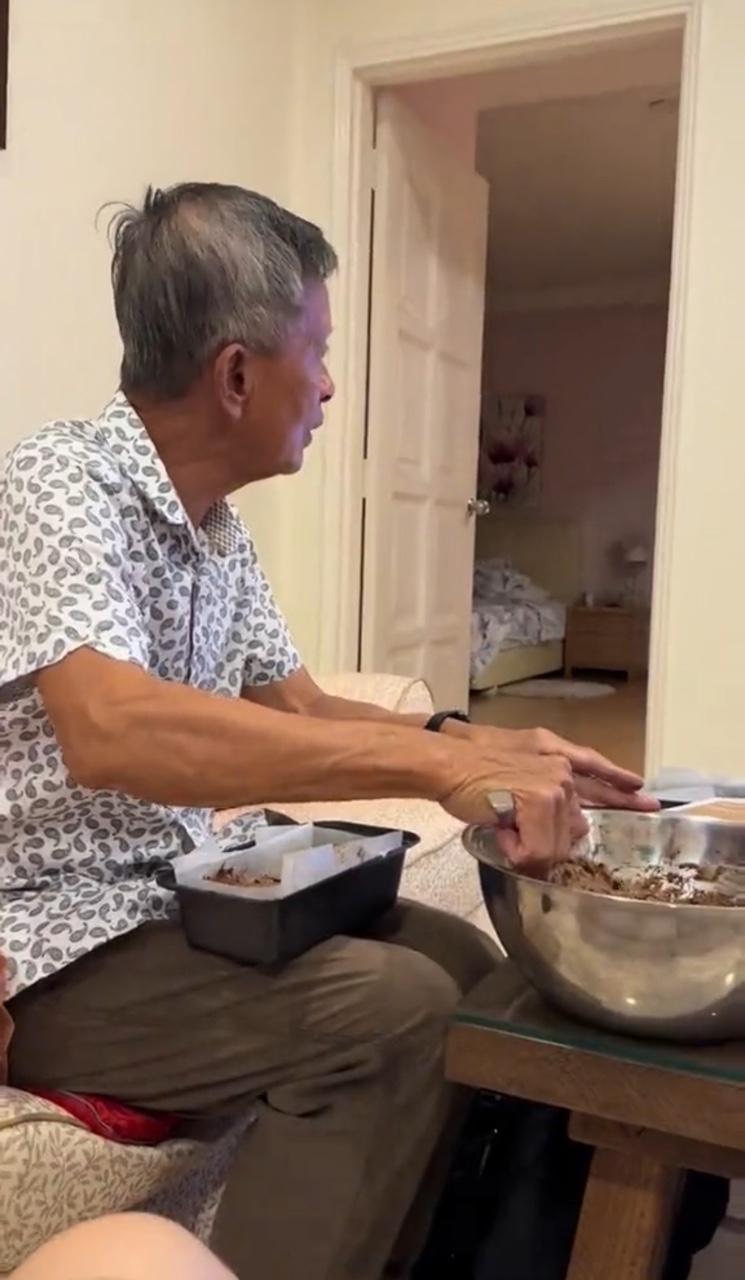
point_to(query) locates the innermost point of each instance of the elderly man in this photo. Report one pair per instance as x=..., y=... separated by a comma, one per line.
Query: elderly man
x=148, y=679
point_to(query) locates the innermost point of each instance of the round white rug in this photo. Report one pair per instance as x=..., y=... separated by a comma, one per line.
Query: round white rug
x=555, y=687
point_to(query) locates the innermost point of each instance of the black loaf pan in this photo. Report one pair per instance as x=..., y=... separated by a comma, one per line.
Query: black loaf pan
x=280, y=929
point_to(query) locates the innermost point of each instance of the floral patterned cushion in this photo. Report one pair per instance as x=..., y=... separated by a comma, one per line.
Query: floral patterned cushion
x=54, y=1173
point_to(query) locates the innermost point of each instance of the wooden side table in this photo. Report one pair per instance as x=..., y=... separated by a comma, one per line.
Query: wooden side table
x=649, y=1110
x=607, y=638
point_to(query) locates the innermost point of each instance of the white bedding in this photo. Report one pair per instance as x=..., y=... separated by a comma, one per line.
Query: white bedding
x=509, y=612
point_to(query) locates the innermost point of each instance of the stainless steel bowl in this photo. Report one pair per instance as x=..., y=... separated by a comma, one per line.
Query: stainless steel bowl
x=670, y=971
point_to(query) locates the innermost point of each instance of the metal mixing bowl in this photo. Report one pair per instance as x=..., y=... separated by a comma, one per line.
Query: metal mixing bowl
x=670, y=971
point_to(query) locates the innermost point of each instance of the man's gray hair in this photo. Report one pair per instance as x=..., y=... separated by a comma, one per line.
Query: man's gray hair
x=202, y=265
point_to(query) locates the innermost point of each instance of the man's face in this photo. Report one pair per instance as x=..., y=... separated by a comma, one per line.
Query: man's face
x=288, y=392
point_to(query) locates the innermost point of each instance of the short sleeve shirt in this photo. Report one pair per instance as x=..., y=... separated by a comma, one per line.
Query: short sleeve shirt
x=96, y=550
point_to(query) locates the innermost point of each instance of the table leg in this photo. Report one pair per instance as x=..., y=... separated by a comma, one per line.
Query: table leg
x=627, y=1211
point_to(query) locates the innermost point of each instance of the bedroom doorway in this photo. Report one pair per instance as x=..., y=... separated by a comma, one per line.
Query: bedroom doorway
x=558, y=266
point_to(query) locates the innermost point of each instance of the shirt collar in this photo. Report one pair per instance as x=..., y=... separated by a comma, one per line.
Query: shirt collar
x=127, y=438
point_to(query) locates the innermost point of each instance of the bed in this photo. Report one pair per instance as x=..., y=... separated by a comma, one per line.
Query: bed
x=527, y=572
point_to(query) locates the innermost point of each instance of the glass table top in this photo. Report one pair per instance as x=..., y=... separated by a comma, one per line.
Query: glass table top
x=506, y=1002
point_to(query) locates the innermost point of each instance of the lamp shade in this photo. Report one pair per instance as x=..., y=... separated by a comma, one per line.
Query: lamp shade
x=636, y=554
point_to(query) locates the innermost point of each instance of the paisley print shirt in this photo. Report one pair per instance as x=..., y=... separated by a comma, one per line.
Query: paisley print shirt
x=97, y=550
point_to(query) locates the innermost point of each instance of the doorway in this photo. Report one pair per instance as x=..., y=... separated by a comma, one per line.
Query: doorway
x=579, y=156
x=353, y=197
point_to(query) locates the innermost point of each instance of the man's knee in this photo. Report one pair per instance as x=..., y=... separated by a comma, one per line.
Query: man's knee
x=418, y=993
x=466, y=953
x=386, y=994
x=383, y=1015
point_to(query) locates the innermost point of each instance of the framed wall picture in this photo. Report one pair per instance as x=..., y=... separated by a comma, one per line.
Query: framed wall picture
x=511, y=449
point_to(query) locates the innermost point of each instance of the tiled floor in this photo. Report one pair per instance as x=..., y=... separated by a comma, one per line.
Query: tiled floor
x=615, y=726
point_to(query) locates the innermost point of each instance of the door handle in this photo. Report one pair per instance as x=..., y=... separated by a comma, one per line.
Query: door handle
x=478, y=507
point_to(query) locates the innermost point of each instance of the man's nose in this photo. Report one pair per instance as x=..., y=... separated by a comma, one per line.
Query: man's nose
x=327, y=387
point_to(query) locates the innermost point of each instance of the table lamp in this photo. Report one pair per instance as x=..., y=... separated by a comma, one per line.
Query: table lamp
x=635, y=560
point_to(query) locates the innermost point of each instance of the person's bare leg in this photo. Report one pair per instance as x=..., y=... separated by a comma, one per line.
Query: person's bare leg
x=126, y=1246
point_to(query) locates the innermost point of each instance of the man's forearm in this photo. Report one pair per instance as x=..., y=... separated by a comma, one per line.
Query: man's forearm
x=299, y=695
x=180, y=746
x=328, y=707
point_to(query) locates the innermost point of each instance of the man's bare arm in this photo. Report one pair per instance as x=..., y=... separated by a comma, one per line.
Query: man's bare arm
x=121, y=729
x=300, y=695
x=599, y=781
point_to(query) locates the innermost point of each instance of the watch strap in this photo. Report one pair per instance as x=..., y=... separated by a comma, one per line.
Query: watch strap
x=435, y=722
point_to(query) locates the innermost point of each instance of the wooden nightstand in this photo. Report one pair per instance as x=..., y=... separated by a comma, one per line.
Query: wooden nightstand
x=607, y=638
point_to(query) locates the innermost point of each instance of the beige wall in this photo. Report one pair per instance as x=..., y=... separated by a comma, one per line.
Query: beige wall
x=700, y=709
x=105, y=96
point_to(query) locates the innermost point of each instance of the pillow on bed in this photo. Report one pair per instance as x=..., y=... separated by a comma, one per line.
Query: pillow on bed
x=496, y=582
x=491, y=577
x=527, y=591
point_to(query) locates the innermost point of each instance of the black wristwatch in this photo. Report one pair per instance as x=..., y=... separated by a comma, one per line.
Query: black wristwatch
x=435, y=722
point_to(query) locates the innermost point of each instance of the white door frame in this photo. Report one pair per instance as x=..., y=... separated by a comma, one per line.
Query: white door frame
x=500, y=41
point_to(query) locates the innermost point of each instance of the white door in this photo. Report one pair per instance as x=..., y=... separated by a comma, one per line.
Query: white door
x=424, y=390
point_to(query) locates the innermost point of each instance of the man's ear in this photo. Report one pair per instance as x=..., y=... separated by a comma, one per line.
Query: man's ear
x=234, y=377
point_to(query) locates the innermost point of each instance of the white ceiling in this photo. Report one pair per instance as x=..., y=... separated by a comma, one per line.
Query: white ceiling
x=582, y=191
x=581, y=170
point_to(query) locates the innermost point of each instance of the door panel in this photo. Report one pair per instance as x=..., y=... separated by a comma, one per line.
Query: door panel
x=426, y=327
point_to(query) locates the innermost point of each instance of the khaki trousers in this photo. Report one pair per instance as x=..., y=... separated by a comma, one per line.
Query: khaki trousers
x=342, y=1050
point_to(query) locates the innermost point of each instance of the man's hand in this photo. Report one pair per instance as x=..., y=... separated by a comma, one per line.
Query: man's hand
x=548, y=818
x=598, y=782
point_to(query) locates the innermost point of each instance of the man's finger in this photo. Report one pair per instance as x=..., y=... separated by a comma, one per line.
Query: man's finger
x=586, y=761
x=511, y=846
x=579, y=826
x=564, y=835
x=540, y=824
x=601, y=795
